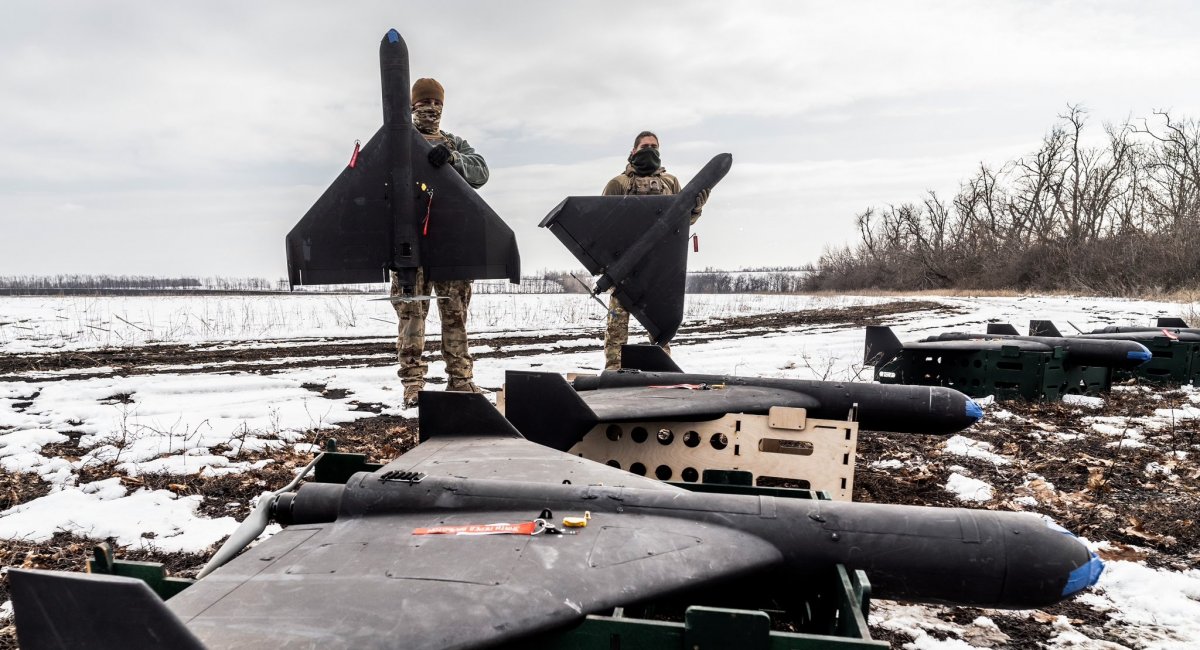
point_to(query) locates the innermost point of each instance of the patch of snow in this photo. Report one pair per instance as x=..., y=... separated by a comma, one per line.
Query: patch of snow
x=1153, y=468
x=146, y=518
x=1184, y=412
x=1083, y=400
x=959, y=445
x=918, y=621
x=1110, y=430
x=1066, y=636
x=191, y=463
x=887, y=464
x=1156, y=608
x=29, y=440
x=966, y=488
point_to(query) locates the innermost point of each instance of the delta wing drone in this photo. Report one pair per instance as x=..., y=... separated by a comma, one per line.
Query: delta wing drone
x=452, y=545
x=638, y=246
x=392, y=210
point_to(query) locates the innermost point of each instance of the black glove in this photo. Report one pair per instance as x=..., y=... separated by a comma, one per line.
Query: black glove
x=439, y=155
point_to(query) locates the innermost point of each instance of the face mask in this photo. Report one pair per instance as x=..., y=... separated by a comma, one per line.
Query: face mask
x=645, y=161
x=427, y=118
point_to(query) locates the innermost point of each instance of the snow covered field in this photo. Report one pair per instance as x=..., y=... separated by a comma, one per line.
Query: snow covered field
x=184, y=417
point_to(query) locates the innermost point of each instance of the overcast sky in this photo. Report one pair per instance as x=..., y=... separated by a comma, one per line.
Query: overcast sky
x=172, y=138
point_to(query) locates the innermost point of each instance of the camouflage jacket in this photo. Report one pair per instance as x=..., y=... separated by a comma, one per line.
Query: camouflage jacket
x=470, y=165
x=660, y=182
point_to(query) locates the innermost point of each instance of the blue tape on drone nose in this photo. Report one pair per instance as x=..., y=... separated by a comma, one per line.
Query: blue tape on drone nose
x=1086, y=574
x=1084, y=577
x=1140, y=355
x=974, y=410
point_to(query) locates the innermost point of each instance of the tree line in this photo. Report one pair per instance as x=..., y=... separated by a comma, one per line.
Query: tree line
x=1117, y=214
x=765, y=280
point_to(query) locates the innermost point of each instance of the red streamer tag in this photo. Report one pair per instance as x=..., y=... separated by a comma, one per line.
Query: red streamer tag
x=523, y=528
x=695, y=243
x=354, y=156
x=1169, y=334
x=428, y=213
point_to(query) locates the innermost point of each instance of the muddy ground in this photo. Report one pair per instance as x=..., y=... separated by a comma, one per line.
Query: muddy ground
x=1096, y=489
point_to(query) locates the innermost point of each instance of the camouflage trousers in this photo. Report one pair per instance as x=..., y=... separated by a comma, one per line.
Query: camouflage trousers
x=617, y=334
x=455, y=298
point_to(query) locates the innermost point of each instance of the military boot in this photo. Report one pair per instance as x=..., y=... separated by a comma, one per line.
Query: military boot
x=462, y=385
x=410, y=394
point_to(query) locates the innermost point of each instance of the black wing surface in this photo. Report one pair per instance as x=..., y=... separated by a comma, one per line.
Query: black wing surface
x=58, y=610
x=599, y=231
x=369, y=582
x=361, y=575
x=638, y=245
x=647, y=357
x=463, y=239
x=1043, y=328
x=348, y=234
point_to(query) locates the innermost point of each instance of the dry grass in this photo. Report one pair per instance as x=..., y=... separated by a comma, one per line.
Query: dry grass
x=1188, y=298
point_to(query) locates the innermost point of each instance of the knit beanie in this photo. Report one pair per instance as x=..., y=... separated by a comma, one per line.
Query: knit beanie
x=428, y=89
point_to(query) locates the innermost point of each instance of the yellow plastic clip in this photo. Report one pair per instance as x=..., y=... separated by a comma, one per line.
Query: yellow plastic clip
x=577, y=522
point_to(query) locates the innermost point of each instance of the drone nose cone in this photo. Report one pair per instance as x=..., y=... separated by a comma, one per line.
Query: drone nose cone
x=974, y=410
x=1086, y=574
x=393, y=36
x=1141, y=356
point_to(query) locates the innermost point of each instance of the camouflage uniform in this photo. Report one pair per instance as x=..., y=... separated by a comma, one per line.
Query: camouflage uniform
x=455, y=299
x=660, y=182
x=466, y=162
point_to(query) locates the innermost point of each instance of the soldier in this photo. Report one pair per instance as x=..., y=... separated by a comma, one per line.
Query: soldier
x=427, y=98
x=643, y=175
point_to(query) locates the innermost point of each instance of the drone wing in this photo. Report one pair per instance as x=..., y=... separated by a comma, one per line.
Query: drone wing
x=348, y=235
x=371, y=580
x=638, y=245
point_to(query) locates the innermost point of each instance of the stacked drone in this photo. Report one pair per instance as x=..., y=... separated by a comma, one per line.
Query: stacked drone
x=1041, y=365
